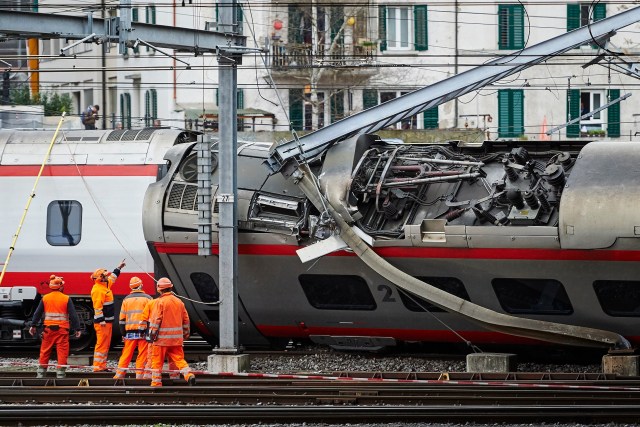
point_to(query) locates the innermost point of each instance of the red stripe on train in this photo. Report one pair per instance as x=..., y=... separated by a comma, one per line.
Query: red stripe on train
x=415, y=252
x=75, y=283
x=81, y=170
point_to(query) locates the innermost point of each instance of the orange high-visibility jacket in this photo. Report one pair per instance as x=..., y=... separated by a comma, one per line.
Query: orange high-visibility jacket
x=57, y=309
x=102, y=299
x=169, y=319
x=131, y=312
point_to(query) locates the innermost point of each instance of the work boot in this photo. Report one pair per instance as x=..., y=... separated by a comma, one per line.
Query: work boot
x=192, y=380
x=40, y=372
x=61, y=372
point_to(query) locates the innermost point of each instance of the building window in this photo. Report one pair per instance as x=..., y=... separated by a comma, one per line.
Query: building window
x=582, y=102
x=581, y=14
x=337, y=292
x=430, y=117
x=150, y=15
x=510, y=113
x=510, y=26
x=618, y=298
x=532, y=296
x=448, y=284
x=403, y=27
x=64, y=223
x=151, y=107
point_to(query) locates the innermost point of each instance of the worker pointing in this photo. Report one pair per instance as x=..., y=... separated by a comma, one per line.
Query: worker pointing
x=133, y=328
x=168, y=328
x=104, y=313
x=60, y=317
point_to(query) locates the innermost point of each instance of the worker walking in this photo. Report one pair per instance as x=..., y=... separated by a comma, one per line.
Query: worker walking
x=173, y=374
x=104, y=313
x=168, y=328
x=133, y=328
x=60, y=318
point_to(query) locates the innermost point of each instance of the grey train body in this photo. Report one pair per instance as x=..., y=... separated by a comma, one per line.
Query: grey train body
x=544, y=231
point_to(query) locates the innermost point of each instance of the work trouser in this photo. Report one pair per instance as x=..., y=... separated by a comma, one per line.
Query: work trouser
x=101, y=350
x=59, y=338
x=173, y=374
x=175, y=354
x=130, y=346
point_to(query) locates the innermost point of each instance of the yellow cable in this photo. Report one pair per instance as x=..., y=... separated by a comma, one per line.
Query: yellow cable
x=31, y=196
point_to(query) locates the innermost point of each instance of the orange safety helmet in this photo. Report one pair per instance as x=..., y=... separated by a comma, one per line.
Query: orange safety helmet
x=101, y=273
x=164, y=283
x=55, y=282
x=135, y=283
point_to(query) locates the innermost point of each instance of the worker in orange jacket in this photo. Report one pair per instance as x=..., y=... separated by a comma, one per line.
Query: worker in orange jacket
x=133, y=329
x=173, y=374
x=168, y=328
x=60, y=318
x=104, y=313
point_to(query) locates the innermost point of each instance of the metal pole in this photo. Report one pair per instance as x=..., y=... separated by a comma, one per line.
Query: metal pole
x=228, y=185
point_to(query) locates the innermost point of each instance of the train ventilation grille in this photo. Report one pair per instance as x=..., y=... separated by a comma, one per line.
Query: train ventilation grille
x=183, y=197
x=131, y=135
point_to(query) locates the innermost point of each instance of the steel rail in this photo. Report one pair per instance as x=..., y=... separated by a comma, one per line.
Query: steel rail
x=146, y=414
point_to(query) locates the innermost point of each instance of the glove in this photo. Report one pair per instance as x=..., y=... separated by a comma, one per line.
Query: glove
x=153, y=336
x=77, y=334
x=32, y=331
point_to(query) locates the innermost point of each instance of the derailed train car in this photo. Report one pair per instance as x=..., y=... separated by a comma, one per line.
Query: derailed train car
x=546, y=231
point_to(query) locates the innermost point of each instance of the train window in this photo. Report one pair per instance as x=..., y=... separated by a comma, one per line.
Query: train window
x=206, y=287
x=64, y=223
x=532, y=296
x=619, y=298
x=337, y=292
x=448, y=284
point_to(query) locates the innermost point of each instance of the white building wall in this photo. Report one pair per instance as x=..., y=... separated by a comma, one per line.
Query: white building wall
x=179, y=88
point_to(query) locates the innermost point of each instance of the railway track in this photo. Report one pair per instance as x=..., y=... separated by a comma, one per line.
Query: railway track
x=365, y=397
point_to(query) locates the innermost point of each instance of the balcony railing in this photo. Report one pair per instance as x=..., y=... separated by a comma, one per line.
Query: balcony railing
x=292, y=56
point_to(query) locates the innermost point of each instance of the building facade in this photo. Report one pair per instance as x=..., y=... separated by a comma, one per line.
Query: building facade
x=325, y=61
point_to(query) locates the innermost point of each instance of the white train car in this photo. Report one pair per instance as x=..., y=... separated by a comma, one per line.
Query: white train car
x=86, y=213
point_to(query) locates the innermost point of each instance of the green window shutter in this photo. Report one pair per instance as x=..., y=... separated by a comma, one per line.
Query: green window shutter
x=122, y=115
x=573, y=111
x=240, y=99
x=369, y=98
x=517, y=107
x=217, y=14
x=296, y=109
x=134, y=14
x=217, y=97
x=430, y=118
x=336, y=19
x=599, y=11
x=420, y=27
x=382, y=27
x=125, y=110
x=295, y=18
x=337, y=106
x=517, y=26
x=154, y=105
x=510, y=113
x=510, y=26
x=239, y=18
x=573, y=16
x=147, y=108
x=613, y=114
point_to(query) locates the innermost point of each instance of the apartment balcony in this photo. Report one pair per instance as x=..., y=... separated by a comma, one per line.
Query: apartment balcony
x=297, y=60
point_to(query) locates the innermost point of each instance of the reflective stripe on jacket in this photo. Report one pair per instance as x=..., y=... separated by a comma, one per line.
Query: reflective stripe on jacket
x=55, y=309
x=131, y=312
x=170, y=320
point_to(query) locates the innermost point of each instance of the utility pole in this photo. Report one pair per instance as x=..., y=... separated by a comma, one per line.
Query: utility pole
x=228, y=184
